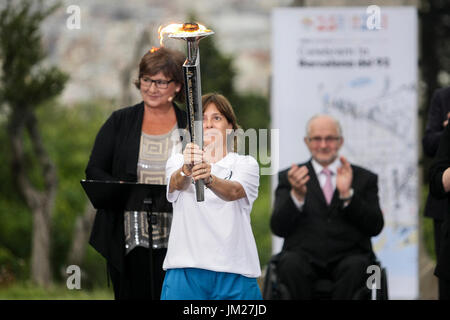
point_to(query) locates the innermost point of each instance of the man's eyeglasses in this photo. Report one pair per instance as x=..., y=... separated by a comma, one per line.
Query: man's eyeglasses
x=329, y=139
x=160, y=84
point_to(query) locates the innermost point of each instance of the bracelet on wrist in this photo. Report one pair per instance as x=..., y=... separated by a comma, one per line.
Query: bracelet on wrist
x=182, y=172
x=209, y=181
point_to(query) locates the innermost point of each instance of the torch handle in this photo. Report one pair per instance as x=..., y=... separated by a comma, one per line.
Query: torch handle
x=200, y=190
x=193, y=87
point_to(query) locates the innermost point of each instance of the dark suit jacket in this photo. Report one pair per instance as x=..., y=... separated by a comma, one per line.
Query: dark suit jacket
x=437, y=113
x=328, y=233
x=439, y=165
x=114, y=157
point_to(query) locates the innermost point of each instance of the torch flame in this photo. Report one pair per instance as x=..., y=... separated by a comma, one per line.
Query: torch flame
x=178, y=28
x=154, y=49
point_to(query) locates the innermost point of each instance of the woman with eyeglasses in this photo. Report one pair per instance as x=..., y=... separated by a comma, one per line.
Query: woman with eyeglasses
x=212, y=253
x=133, y=145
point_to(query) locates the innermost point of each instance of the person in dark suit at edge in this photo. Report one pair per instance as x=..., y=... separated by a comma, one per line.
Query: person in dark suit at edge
x=440, y=188
x=438, y=117
x=326, y=210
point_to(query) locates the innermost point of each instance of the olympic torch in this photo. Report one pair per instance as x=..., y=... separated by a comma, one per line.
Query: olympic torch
x=192, y=33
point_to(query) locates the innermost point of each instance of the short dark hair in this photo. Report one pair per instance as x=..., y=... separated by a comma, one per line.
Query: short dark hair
x=223, y=106
x=226, y=109
x=165, y=60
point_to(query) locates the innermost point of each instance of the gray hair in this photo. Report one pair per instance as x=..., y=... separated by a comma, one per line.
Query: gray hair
x=336, y=122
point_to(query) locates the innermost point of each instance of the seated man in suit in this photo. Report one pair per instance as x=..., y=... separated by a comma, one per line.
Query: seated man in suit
x=327, y=210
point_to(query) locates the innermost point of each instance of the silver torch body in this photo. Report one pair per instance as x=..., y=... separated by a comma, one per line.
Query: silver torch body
x=193, y=87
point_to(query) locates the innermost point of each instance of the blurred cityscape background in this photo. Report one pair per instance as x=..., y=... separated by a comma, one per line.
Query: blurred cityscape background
x=53, y=100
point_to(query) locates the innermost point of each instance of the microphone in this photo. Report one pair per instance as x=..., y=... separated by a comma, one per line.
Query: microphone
x=173, y=97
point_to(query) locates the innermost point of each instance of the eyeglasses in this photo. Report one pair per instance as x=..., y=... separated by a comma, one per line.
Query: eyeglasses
x=160, y=84
x=329, y=139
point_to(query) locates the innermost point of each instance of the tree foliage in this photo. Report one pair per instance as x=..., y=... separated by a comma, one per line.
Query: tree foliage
x=25, y=85
x=25, y=82
x=69, y=134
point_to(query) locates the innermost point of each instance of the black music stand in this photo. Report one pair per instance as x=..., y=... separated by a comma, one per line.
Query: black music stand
x=130, y=196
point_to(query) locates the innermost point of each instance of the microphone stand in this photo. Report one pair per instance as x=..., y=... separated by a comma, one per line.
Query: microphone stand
x=151, y=220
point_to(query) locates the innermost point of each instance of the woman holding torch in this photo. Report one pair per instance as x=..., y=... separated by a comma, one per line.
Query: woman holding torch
x=212, y=253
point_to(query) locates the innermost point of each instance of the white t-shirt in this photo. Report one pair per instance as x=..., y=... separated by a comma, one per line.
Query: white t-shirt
x=214, y=234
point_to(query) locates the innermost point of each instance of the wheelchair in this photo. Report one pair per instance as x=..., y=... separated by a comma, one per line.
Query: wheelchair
x=273, y=289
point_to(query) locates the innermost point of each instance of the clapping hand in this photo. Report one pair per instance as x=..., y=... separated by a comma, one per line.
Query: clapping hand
x=445, y=123
x=298, y=177
x=344, y=178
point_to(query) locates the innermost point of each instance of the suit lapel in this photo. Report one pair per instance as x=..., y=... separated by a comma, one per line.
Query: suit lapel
x=314, y=188
x=335, y=199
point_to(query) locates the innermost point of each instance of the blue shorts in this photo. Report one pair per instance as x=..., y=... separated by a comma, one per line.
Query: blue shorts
x=201, y=284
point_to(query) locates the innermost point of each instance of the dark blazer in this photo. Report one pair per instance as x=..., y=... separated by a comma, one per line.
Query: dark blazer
x=328, y=233
x=114, y=157
x=439, y=165
x=437, y=113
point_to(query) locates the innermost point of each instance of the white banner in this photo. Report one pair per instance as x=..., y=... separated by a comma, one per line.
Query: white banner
x=359, y=66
